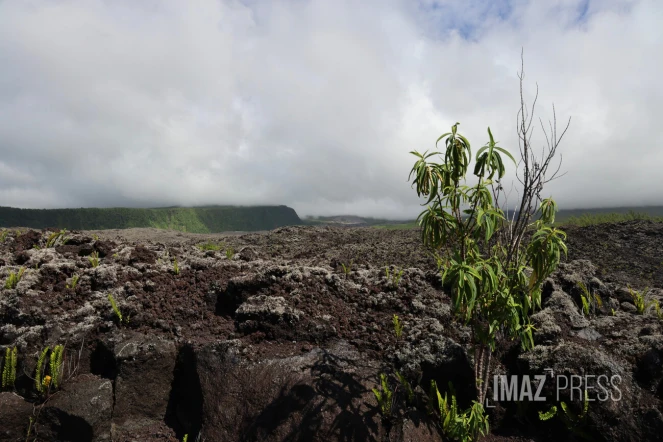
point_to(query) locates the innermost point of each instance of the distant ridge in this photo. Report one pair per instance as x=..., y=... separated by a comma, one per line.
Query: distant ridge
x=207, y=219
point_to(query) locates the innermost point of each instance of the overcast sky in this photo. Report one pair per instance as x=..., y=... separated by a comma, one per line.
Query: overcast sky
x=316, y=104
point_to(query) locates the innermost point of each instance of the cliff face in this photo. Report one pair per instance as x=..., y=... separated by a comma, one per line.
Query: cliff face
x=275, y=341
x=210, y=219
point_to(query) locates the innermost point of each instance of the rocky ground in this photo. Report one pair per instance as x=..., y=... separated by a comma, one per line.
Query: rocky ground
x=279, y=343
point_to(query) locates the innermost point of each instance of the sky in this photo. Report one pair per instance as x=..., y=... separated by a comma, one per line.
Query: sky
x=316, y=104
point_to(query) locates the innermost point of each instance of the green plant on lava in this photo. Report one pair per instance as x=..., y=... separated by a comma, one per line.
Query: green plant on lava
x=41, y=383
x=591, y=302
x=9, y=367
x=409, y=392
x=398, y=326
x=347, y=269
x=3, y=235
x=115, y=308
x=459, y=425
x=94, y=259
x=384, y=396
x=395, y=276
x=74, y=281
x=56, y=365
x=204, y=247
x=496, y=265
x=573, y=422
x=230, y=253
x=14, y=278
x=640, y=300
x=44, y=383
x=176, y=267
x=54, y=237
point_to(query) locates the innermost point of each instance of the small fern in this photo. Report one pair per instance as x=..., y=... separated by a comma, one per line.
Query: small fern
x=14, y=278
x=56, y=365
x=230, y=253
x=394, y=277
x=548, y=414
x=398, y=326
x=384, y=396
x=409, y=392
x=204, y=247
x=591, y=302
x=115, y=308
x=639, y=300
x=94, y=259
x=9, y=367
x=3, y=235
x=54, y=237
x=176, y=267
x=74, y=281
x=39, y=371
x=657, y=309
x=347, y=269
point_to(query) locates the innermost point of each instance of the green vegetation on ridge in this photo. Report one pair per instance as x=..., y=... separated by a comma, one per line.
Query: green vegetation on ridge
x=211, y=219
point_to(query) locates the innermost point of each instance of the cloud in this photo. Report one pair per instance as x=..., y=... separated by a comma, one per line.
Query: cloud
x=316, y=104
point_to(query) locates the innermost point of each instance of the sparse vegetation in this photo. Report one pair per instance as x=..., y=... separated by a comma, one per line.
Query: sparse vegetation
x=591, y=302
x=640, y=300
x=230, y=253
x=3, y=235
x=207, y=246
x=56, y=237
x=41, y=383
x=456, y=425
x=590, y=219
x=115, y=308
x=395, y=276
x=14, y=278
x=74, y=281
x=347, y=269
x=384, y=396
x=572, y=421
x=9, y=367
x=409, y=392
x=398, y=326
x=94, y=259
x=176, y=266
x=56, y=365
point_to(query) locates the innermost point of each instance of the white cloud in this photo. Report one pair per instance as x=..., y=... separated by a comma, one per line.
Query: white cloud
x=315, y=104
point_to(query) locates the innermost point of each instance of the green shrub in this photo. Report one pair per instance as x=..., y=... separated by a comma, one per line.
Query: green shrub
x=487, y=271
x=230, y=253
